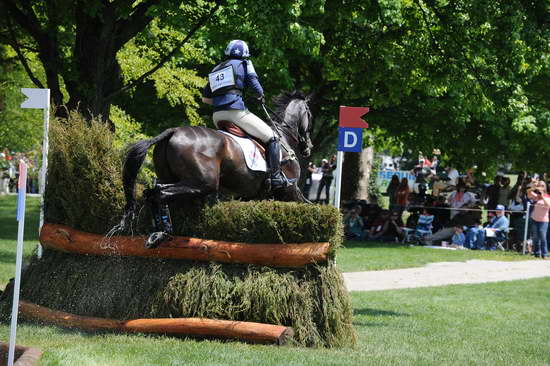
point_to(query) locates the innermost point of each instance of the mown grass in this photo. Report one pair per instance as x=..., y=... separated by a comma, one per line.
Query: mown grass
x=370, y=256
x=490, y=324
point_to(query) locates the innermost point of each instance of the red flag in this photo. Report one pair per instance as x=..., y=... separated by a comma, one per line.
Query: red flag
x=351, y=117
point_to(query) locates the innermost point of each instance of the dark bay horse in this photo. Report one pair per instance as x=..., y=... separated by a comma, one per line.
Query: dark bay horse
x=192, y=162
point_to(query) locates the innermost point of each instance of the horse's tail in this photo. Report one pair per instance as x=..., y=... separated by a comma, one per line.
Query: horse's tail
x=132, y=163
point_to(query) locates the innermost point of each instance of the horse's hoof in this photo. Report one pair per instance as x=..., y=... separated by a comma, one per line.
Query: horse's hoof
x=155, y=239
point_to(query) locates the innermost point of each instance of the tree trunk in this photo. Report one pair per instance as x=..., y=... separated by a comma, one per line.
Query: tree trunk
x=355, y=174
x=94, y=77
x=365, y=169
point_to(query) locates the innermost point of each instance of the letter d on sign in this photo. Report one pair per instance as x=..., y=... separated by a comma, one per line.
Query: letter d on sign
x=350, y=139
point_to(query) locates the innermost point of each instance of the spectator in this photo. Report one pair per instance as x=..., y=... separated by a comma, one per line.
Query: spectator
x=539, y=216
x=309, y=180
x=517, y=204
x=460, y=198
x=391, y=191
x=464, y=218
x=504, y=192
x=372, y=212
x=458, y=239
x=327, y=169
x=470, y=180
x=441, y=213
x=492, y=193
x=402, y=195
x=453, y=175
x=387, y=228
x=4, y=173
x=353, y=224
x=418, y=196
x=424, y=224
x=439, y=184
x=496, y=230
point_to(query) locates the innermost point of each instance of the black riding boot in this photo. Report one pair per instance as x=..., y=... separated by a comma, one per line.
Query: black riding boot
x=277, y=178
x=161, y=218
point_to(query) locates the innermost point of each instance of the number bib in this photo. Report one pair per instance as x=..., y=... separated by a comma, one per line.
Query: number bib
x=222, y=78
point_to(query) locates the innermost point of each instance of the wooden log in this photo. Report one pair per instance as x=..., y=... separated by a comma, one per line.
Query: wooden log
x=198, y=327
x=24, y=356
x=66, y=239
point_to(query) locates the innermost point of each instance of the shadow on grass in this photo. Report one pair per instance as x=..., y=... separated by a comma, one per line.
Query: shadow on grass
x=373, y=313
x=373, y=244
x=377, y=312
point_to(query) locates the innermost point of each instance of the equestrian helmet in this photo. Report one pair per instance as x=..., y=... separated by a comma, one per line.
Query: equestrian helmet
x=238, y=49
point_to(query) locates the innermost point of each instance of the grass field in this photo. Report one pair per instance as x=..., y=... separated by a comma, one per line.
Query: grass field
x=369, y=256
x=491, y=324
x=8, y=233
x=503, y=323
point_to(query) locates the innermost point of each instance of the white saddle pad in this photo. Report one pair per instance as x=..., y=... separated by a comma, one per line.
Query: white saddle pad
x=252, y=155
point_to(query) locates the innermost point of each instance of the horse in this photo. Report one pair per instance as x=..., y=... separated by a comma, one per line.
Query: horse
x=194, y=162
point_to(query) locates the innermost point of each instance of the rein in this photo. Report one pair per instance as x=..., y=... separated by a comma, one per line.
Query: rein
x=282, y=123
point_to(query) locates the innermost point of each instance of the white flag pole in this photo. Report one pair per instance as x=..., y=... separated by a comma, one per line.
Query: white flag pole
x=18, y=258
x=40, y=99
x=44, y=168
x=339, y=162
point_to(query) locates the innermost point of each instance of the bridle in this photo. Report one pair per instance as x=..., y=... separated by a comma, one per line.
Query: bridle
x=300, y=138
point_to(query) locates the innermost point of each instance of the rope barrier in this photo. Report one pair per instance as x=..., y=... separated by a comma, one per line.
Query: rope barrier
x=461, y=209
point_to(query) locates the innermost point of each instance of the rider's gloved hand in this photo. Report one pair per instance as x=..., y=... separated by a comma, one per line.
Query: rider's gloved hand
x=261, y=99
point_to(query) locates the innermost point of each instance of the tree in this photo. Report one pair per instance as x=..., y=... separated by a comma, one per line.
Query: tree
x=20, y=130
x=78, y=42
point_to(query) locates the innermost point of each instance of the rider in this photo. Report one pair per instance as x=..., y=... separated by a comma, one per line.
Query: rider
x=226, y=85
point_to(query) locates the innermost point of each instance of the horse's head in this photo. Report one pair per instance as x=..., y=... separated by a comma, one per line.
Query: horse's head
x=297, y=120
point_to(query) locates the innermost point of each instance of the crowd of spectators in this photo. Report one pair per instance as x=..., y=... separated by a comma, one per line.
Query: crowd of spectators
x=9, y=173
x=452, y=209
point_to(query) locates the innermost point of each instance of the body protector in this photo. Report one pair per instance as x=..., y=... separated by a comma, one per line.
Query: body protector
x=223, y=79
x=228, y=80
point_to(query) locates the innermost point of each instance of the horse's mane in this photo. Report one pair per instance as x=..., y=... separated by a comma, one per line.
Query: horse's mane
x=282, y=100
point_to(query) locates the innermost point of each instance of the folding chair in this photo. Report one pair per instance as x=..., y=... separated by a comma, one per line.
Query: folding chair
x=423, y=227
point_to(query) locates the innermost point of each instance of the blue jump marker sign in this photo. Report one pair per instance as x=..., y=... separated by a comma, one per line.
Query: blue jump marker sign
x=350, y=139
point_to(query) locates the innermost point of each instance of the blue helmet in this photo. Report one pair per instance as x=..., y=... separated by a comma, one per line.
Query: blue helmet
x=237, y=49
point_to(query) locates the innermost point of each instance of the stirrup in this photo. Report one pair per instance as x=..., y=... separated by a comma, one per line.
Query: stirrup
x=278, y=181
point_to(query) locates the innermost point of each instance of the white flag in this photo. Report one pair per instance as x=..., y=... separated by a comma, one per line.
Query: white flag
x=36, y=98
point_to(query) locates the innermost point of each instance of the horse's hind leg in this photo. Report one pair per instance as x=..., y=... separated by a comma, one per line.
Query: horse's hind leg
x=159, y=198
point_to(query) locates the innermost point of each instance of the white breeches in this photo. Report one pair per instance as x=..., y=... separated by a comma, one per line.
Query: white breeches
x=248, y=121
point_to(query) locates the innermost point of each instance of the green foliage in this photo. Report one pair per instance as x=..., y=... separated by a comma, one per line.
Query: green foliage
x=176, y=82
x=467, y=77
x=20, y=129
x=84, y=187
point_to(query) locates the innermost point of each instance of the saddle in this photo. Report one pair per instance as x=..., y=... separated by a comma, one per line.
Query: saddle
x=233, y=129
